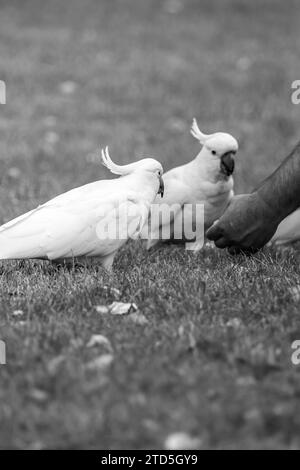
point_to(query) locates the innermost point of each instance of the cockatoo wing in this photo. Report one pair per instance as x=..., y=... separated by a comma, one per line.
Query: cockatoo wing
x=88, y=221
x=289, y=229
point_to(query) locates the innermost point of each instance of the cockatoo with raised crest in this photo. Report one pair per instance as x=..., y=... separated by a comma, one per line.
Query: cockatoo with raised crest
x=207, y=180
x=94, y=220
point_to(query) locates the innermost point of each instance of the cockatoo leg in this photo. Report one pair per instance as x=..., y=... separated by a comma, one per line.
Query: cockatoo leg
x=70, y=263
x=151, y=243
x=194, y=246
x=107, y=261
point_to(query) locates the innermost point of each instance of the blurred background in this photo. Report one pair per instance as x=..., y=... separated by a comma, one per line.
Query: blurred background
x=132, y=74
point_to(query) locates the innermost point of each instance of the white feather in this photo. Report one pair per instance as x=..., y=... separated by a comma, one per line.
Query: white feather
x=109, y=164
x=195, y=131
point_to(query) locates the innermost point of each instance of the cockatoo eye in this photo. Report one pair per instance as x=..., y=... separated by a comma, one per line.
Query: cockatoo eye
x=214, y=152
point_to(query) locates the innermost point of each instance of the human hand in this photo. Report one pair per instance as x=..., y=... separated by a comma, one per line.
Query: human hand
x=246, y=225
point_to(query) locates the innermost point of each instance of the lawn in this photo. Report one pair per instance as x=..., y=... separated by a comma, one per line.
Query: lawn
x=209, y=352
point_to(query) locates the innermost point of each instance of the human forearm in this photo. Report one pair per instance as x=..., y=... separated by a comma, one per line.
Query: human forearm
x=281, y=190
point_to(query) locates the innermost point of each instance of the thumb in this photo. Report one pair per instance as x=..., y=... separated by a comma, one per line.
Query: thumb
x=215, y=231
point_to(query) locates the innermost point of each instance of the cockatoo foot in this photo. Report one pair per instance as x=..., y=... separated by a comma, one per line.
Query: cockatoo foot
x=107, y=262
x=77, y=264
x=151, y=243
x=68, y=263
x=84, y=262
x=210, y=245
x=194, y=246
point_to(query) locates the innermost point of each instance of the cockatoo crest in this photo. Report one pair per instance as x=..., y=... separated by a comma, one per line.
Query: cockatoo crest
x=110, y=165
x=145, y=164
x=218, y=141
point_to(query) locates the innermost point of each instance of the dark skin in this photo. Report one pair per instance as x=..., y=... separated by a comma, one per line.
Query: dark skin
x=251, y=220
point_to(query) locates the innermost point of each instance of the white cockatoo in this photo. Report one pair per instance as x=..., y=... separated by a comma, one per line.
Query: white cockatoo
x=94, y=220
x=205, y=182
x=288, y=231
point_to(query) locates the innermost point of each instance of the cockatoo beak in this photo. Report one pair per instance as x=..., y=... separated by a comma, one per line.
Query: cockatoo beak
x=227, y=163
x=161, y=189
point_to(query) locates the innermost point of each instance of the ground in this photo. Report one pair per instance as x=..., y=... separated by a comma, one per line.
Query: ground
x=212, y=354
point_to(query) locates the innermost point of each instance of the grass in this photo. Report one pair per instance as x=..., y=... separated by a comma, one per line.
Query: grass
x=213, y=358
